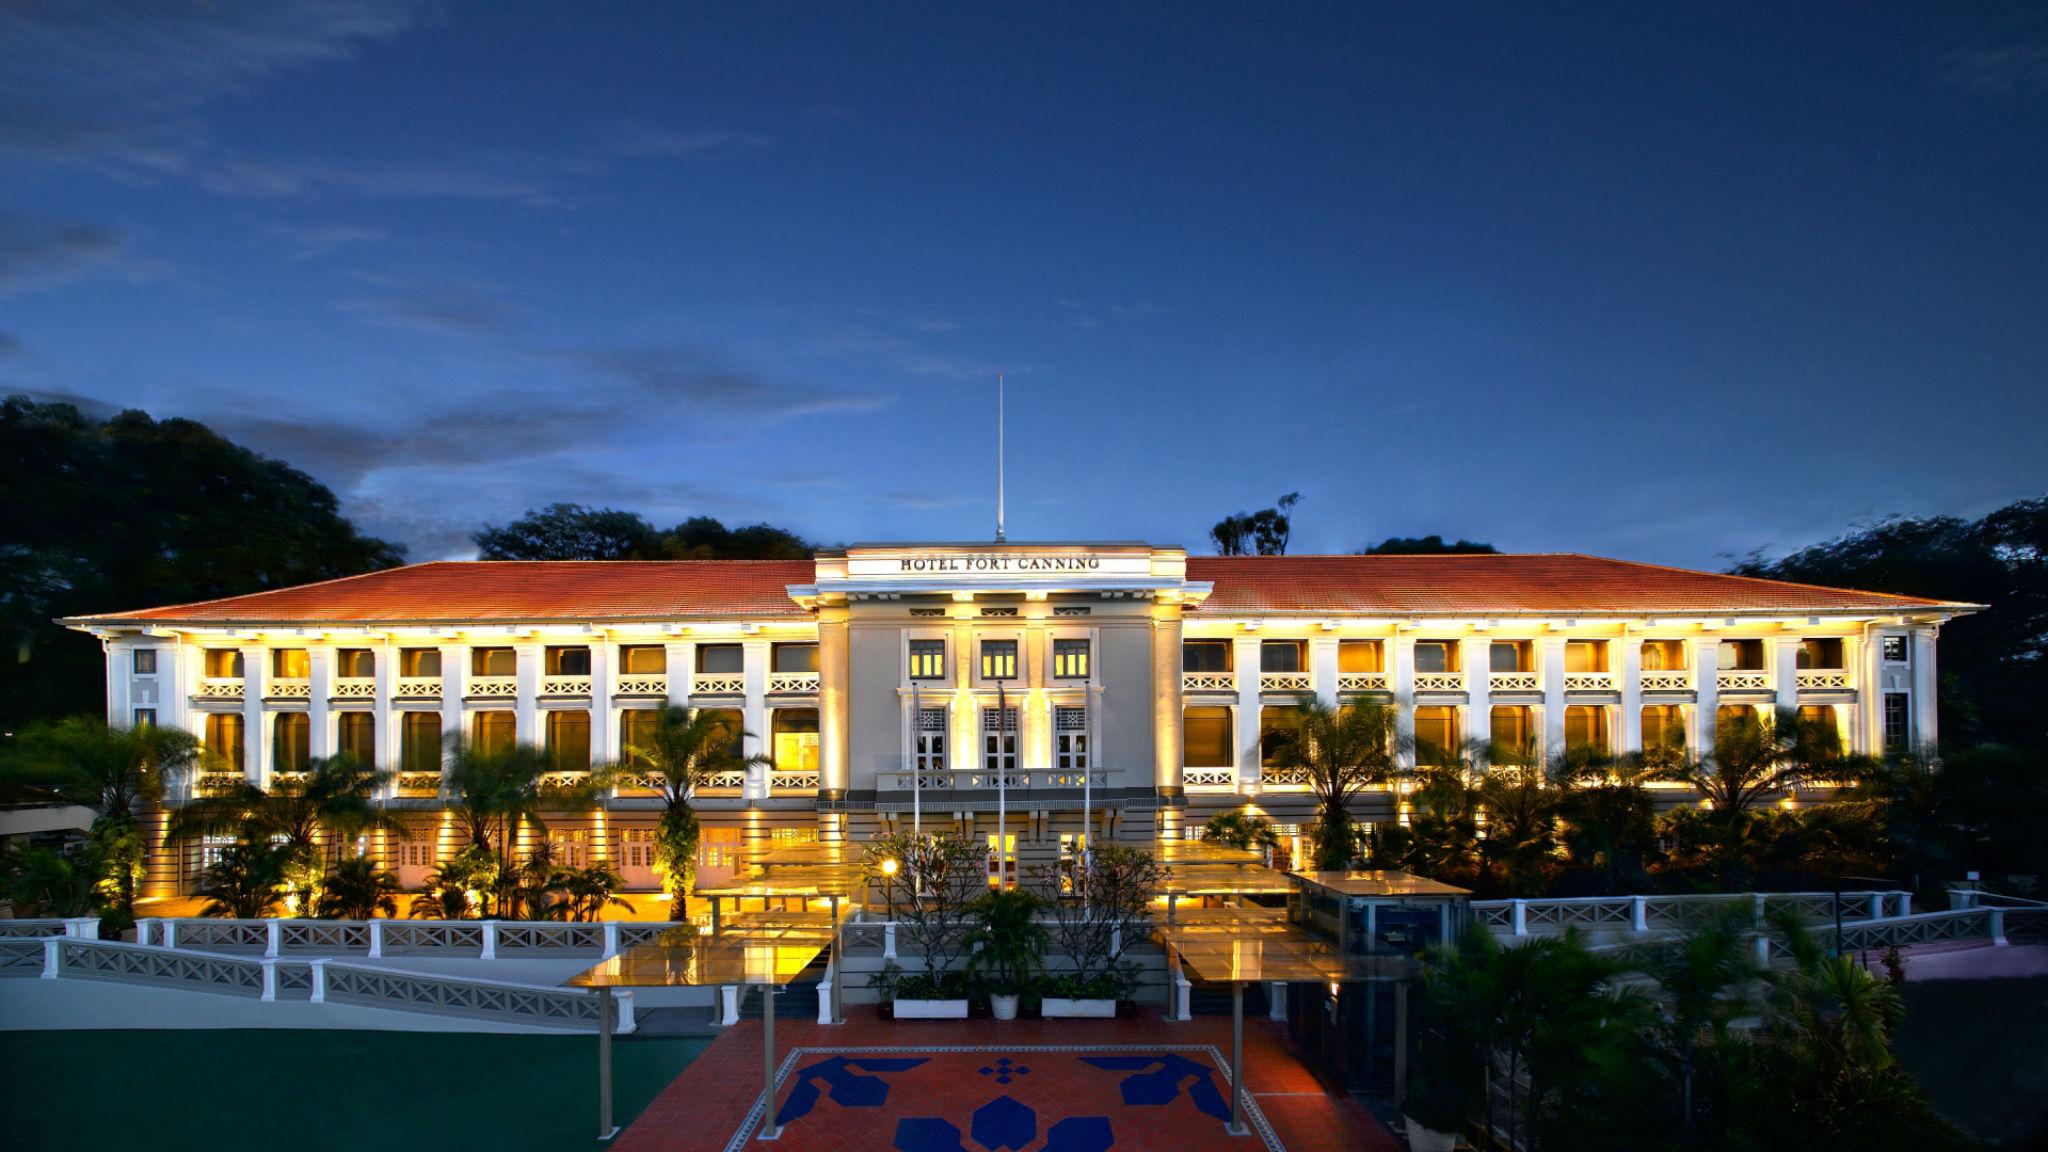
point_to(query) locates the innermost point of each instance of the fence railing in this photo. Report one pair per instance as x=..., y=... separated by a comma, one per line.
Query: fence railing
x=84, y=927
x=314, y=981
x=1653, y=913
x=484, y=939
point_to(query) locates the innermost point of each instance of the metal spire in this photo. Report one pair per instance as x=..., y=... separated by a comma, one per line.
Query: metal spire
x=999, y=457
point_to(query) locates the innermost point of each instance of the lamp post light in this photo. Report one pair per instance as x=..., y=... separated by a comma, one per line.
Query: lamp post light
x=889, y=886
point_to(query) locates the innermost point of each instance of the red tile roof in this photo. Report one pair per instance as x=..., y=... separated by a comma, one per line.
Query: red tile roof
x=450, y=591
x=508, y=590
x=1506, y=585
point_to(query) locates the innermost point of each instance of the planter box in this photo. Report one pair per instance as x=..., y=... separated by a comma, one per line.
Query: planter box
x=1422, y=1139
x=1061, y=1006
x=929, y=1009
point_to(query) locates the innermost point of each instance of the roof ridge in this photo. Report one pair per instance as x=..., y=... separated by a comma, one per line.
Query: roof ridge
x=258, y=592
x=1771, y=581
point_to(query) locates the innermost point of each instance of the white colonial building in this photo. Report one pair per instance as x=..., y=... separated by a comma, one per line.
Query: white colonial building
x=1124, y=681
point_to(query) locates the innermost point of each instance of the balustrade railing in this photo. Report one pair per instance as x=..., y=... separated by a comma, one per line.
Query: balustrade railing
x=797, y=781
x=1513, y=682
x=218, y=688
x=1208, y=777
x=419, y=785
x=1654, y=913
x=292, y=689
x=1283, y=778
x=1811, y=679
x=1589, y=681
x=1439, y=681
x=1667, y=681
x=793, y=682
x=642, y=684
x=354, y=688
x=216, y=783
x=493, y=687
x=1363, y=682
x=718, y=684
x=21, y=956
x=565, y=685
x=723, y=782
x=416, y=688
x=1208, y=681
x=1015, y=780
x=1286, y=682
x=1744, y=680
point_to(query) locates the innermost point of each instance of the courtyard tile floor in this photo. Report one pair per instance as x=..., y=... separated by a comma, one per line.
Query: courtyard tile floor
x=1137, y=1085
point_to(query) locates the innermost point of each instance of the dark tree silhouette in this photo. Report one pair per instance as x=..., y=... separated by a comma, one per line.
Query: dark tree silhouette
x=1261, y=533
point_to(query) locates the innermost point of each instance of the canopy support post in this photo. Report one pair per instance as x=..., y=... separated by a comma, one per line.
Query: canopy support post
x=770, y=1130
x=605, y=1128
x=1237, y=1127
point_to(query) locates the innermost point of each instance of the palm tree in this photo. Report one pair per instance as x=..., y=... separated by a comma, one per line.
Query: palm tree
x=49, y=882
x=1240, y=830
x=1702, y=983
x=685, y=748
x=110, y=771
x=1610, y=819
x=246, y=882
x=587, y=892
x=1342, y=752
x=1755, y=757
x=306, y=813
x=358, y=889
x=497, y=792
x=1520, y=835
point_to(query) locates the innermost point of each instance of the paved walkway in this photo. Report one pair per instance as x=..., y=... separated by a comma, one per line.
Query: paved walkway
x=1136, y=1085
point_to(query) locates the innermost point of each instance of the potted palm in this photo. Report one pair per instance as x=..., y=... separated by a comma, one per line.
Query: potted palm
x=1435, y=1112
x=1007, y=943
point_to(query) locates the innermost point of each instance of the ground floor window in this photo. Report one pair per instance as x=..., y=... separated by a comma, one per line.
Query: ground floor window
x=718, y=850
x=570, y=847
x=1663, y=727
x=569, y=740
x=224, y=737
x=419, y=741
x=1206, y=738
x=795, y=745
x=1585, y=727
x=636, y=847
x=356, y=737
x=1898, y=723
x=494, y=732
x=1436, y=735
x=417, y=853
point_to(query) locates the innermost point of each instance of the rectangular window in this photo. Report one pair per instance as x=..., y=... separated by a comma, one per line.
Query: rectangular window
x=1821, y=653
x=291, y=743
x=1741, y=656
x=145, y=718
x=1361, y=656
x=1205, y=656
x=1585, y=656
x=496, y=731
x=998, y=740
x=1437, y=739
x=290, y=663
x=643, y=660
x=224, y=663
x=637, y=727
x=224, y=738
x=731, y=728
x=355, y=663
x=493, y=662
x=1898, y=722
x=1818, y=720
x=1206, y=740
x=569, y=740
x=795, y=739
x=1663, y=655
x=1508, y=656
x=1436, y=656
x=720, y=659
x=417, y=853
x=793, y=658
x=1512, y=727
x=928, y=740
x=1663, y=727
x=419, y=741
x=998, y=659
x=145, y=661
x=1893, y=648
x=1070, y=738
x=1070, y=659
x=1283, y=656
x=927, y=659
x=421, y=662
x=1278, y=726
x=567, y=660
x=356, y=737
x=1585, y=726
x=636, y=847
x=570, y=847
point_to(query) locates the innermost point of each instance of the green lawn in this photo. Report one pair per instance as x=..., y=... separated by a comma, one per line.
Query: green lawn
x=305, y=1091
x=1980, y=1049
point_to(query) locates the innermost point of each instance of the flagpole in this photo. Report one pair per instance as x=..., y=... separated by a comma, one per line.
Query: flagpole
x=999, y=457
x=1002, y=787
x=916, y=761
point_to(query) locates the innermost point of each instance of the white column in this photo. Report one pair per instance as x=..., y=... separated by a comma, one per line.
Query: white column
x=383, y=732
x=174, y=680
x=1401, y=658
x=1475, y=656
x=754, y=667
x=1550, y=661
x=682, y=666
x=1244, y=658
x=1322, y=667
x=320, y=700
x=1629, y=678
x=604, y=721
x=1706, y=686
x=1926, y=722
x=454, y=683
x=118, y=667
x=1785, y=669
x=526, y=710
x=255, y=732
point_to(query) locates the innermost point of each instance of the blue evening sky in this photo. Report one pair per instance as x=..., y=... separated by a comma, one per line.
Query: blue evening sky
x=1667, y=282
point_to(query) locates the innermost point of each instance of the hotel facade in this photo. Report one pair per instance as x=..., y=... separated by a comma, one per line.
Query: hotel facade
x=1121, y=687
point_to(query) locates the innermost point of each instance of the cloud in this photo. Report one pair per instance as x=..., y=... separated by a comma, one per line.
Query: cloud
x=462, y=309
x=485, y=179
x=309, y=241
x=1995, y=70
x=38, y=252
x=636, y=141
x=662, y=376
x=10, y=346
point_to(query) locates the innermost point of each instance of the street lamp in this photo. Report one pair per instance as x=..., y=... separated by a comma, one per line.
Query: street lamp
x=889, y=885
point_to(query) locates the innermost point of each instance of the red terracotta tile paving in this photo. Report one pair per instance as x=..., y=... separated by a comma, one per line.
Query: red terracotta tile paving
x=705, y=1106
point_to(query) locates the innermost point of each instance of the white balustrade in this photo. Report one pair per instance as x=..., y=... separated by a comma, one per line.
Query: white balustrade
x=1286, y=682
x=1208, y=681
x=355, y=688
x=218, y=688
x=1206, y=778
x=642, y=684
x=1363, y=682
x=288, y=689
x=1439, y=681
x=793, y=682
x=565, y=685
x=1667, y=681
x=1745, y=680
x=416, y=688
x=1513, y=682
x=1589, y=681
x=718, y=684
x=494, y=687
x=1811, y=679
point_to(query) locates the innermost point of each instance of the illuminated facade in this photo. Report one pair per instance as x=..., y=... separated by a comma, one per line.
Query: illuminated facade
x=1124, y=681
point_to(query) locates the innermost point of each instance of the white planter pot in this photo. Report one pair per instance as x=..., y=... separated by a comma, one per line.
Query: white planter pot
x=1422, y=1139
x=1062, y=1006
x=1005, y=1007
x=931, y=1009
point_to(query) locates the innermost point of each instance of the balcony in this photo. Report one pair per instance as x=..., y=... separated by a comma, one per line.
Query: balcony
x=216, y=783
x=642, y=684
x=1208, y=682
x=1678, y=680
x=560, y=686
x=1745, y=680
x=793, y=683
x=419, y=785
x=355, y=688
x=718, y=684
x=1439, y=681
x=493, y=687
x=1209, y=779
x=417, y=688
x=218, y=688
x=1821, y=679
x=295, y=688
x=563, y=781
x=799, y=781
x=1364, y=682
x=1589, y=681
x=1286, y=682
x=1513, y=682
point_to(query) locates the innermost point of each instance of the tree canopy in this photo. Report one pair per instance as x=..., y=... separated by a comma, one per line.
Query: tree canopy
x=1261, y=533
x=1425, y=546
x=576, y=532
x=130, y=512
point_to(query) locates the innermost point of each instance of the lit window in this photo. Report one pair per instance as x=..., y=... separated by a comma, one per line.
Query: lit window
x=224, y=663
x=224, y=737
x=1585, y=726
x=145, y=718
x=643, y=659
x=1822, y=653
x=1585, y=656
x=1663, y=655
x=1436, y=735
x=1512, y=727
x=720, y=659
x=145, y=661
x=1741, y=656
x=357, y=737
x=496, y=731
x=1205, y=656
x=1070, y=659
x=1894, y=648
x=1283, y=656
x=493, y=662
x=1663, y=726
x=290, y=663
x=421, y=662
x=291, y=741
x=793, y=658
x=355, y=663
x=1508, y=656
x=998, y=659
x=1278, y=725
x=1360, y=656
x=1436, y=656
x=419, y=741
x=637, y=727
x=795, y=732
x=569, y=739
x=927, y=659
x=1206, y=738
x=568, y=661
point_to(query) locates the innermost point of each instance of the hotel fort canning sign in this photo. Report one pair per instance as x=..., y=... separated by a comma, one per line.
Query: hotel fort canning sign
x=1036, y=564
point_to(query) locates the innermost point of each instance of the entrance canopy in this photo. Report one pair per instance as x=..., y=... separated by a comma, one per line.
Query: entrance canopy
x=766, y=951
